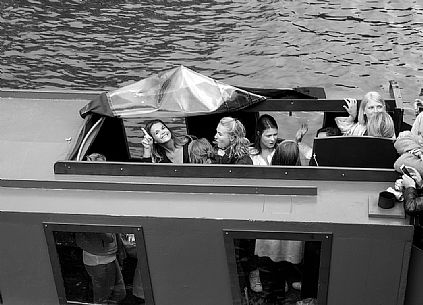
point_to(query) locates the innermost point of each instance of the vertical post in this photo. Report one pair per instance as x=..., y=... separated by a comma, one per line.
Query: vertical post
x=395, y=93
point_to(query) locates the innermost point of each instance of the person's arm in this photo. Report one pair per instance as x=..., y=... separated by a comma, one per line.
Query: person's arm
x=413, y=204
x=347, y=124
x=147, y=144
x=351, y=108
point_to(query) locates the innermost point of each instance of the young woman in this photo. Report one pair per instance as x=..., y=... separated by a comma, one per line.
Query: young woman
x=232, y=145
x=371, y=103
x=265, y=141
x=161, y=145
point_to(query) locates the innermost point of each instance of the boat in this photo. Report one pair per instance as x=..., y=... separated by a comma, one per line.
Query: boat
x=190, y=222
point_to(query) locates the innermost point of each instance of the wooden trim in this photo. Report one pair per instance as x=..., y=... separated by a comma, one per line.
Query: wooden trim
x=311, y=105
x=395, y=92
x=164, y=187
x=225, y=171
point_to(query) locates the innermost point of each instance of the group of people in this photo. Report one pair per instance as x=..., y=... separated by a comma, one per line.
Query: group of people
x=162, y=145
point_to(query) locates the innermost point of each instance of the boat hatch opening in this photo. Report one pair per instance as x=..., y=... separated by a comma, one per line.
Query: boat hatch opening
x=119, y=140
x=298, y=266
x=73, y=267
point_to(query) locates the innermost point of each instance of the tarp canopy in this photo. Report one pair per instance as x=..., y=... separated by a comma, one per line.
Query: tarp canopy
x=179, y=92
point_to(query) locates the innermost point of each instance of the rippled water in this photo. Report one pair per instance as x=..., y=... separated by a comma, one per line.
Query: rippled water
x=347, y=46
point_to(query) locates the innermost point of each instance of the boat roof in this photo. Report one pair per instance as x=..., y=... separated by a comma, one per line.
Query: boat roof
x=35, y=133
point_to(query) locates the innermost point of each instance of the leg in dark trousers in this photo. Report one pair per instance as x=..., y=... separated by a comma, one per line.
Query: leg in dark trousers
x=245, y=259
x=311, y=269
x=273, y=277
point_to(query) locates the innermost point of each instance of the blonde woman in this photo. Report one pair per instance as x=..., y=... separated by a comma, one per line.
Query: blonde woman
x=371, y=103
x=232, y=145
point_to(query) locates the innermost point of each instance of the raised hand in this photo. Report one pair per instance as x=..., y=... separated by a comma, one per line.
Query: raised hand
x=147, y=143
x=301, y=132
x=351, y=107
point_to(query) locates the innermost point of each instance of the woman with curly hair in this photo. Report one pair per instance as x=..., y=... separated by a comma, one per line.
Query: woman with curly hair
x=232, y=145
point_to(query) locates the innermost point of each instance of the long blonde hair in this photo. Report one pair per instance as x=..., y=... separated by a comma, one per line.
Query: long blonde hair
x=239, y=144
x=381, y=125
x=369, y=96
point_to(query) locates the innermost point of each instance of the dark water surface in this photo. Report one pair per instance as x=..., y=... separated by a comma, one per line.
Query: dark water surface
x=347, y=46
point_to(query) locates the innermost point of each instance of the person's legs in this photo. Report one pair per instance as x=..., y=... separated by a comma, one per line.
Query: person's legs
x=118, y=289
x=102, y=278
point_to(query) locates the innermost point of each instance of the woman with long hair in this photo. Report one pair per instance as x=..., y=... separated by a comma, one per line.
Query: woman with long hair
x=287, y=153
x=232, y=145
x=371, y=103
x=162, y=145
x=266, y=138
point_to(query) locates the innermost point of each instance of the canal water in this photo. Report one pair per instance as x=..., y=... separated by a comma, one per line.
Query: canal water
x=348, y=47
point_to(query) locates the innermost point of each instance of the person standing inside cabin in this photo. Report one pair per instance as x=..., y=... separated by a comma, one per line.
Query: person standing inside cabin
x=232, y=145
x=99, y=255
x=371, y=103
x=162, y=145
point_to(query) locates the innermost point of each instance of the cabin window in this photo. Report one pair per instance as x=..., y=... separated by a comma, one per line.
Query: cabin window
x=284, y=267
x=99, y=264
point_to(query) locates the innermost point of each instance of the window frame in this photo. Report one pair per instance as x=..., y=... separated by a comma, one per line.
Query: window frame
x=49, y=228
x=326, y=239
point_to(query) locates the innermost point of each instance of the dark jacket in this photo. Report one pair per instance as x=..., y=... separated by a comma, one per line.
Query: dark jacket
x=225, y=159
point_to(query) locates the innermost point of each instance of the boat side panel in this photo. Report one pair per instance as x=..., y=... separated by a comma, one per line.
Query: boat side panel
x=187, y=258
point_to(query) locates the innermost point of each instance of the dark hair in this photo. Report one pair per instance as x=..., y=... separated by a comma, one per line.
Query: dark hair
x=264, y=122
x=158, y=152
x=330, y=131
x=287, y=153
